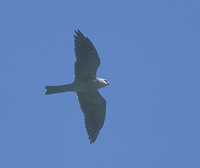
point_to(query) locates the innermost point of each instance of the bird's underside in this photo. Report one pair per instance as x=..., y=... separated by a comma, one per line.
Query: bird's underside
x=91, y=102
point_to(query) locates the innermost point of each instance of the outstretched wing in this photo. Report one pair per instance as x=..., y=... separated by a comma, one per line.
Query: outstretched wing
x=93, y=106
x=87, y=59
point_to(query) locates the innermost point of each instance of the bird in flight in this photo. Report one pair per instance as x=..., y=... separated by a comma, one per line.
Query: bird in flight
x=86, y=85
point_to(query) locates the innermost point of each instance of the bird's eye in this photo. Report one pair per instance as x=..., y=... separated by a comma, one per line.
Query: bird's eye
x=106, y=81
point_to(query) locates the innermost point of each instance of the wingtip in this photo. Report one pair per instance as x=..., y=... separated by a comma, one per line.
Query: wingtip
x=92, y=138
x=92, y=141
x=78, y=33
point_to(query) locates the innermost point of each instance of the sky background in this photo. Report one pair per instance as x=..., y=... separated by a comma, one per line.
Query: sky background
x=150, y=54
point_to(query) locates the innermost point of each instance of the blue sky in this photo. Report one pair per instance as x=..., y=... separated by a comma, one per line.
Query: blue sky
x=149, y=53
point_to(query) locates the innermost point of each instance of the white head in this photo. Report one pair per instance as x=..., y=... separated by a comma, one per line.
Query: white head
x=106, y=82
x=103, y=82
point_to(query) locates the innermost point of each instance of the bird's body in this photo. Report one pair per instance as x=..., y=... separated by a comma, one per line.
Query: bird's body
x=86, y=85
x=78, y=86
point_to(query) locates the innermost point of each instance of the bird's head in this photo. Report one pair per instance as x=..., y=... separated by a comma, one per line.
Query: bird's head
x=106, y=82
x=102, y=82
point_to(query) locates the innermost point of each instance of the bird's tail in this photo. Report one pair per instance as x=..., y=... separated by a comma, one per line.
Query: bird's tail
x=58, y=89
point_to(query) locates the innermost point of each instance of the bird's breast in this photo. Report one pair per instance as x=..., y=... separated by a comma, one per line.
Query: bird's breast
x=88, y=85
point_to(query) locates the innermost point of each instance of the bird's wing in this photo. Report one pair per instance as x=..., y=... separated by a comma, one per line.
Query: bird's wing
x=93, y=106
x=87, y=59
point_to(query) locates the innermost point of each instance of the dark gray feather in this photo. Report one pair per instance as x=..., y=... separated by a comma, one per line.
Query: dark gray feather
x=87, y=59
x=93, y=106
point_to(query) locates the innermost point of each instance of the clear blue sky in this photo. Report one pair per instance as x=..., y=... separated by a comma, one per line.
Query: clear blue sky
x=150, y=54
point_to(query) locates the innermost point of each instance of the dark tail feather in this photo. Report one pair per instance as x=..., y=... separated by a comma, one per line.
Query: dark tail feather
x=58, y=89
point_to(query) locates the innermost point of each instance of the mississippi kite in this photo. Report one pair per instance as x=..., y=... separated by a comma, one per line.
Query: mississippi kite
x=86, y=85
